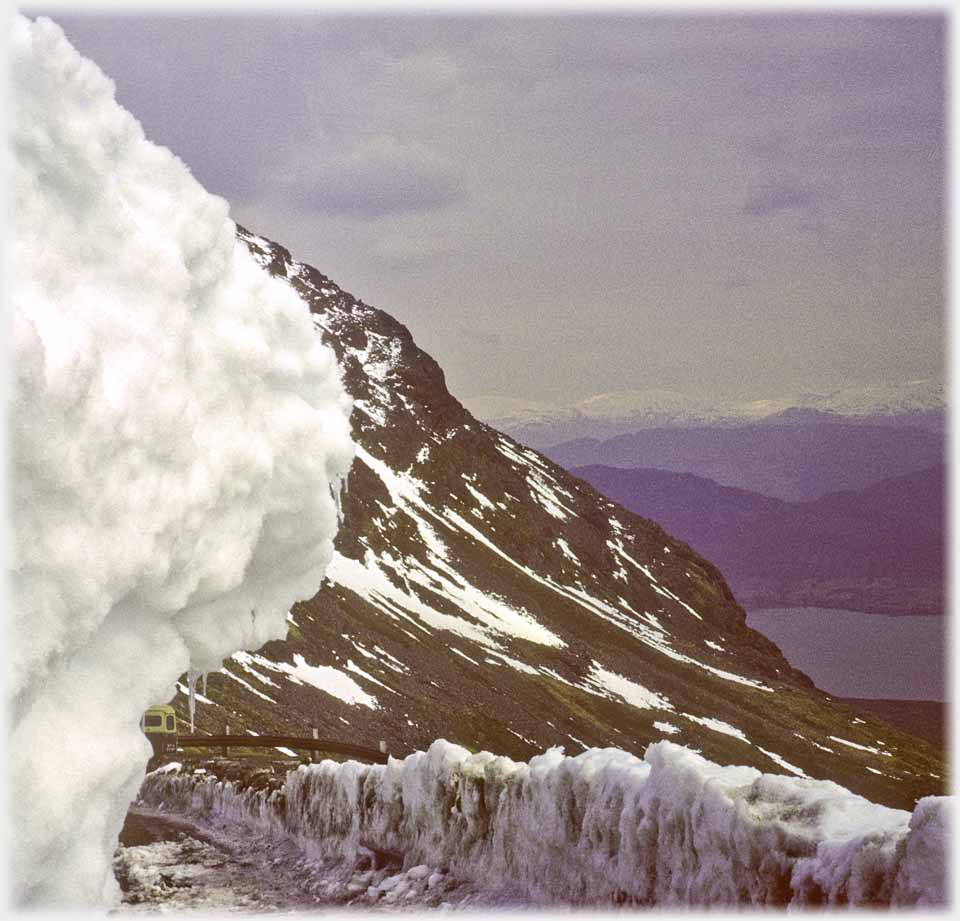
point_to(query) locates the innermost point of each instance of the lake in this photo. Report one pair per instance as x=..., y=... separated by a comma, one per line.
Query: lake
x=852, y=654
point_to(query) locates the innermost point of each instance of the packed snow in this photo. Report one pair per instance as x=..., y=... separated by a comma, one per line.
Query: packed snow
x=786, y=765
x=482, y=500
x=487, y=615
x=602, y=828
x=513, y=663
x=245, y=684
x=179, y=437
x=328, y=679
x=718, y=726
x=544, y=492
x=566, y=551
x=632, y=692
x=863, y=748
x=246, y=660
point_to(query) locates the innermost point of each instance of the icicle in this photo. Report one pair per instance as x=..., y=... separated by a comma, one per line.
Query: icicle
x=337, y=492
x=192, y=696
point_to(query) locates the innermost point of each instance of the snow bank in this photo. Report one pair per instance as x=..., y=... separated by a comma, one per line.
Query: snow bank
x=601, y=828
x=178, y=437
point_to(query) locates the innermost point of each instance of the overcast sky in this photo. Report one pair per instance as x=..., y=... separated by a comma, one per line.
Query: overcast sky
x=559, y=206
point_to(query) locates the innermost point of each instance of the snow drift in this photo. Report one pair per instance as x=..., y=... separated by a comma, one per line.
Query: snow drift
x=179, y=435
x=603, y=827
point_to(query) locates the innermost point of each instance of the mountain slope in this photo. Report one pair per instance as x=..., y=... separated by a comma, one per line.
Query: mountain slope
x=480, y=593
x=925, y=719
x=880, y=549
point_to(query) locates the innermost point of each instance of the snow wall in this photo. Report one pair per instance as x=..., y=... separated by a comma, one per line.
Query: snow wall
x=601, y=828
x=178, y=439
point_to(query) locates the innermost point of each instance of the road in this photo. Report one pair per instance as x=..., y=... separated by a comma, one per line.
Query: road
x=166, y=861
x=170, y=863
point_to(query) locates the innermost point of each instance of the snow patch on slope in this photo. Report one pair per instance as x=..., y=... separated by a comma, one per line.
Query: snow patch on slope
x=718, y=726
x=632, y=692
x=488, y=615
x=543, y=489
x=329, y=679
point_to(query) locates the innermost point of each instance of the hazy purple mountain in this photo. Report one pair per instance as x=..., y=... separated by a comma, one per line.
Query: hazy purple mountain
x=878, y=549
x=930, y=420
x=797, y=456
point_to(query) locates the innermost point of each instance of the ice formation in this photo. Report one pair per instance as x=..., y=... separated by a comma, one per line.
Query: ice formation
x=179, y=435
x=601, y=828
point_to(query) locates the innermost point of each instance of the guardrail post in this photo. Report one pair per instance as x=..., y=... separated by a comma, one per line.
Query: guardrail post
x=315, y=753
x=383, y=746
x=226, y=732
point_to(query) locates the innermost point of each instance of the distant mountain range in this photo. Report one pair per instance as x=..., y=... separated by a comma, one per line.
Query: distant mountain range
x=879, y=549
x=798, y=455
x=541, y=425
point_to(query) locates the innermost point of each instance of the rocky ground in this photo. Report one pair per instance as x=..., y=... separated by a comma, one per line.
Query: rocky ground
x=167, y=862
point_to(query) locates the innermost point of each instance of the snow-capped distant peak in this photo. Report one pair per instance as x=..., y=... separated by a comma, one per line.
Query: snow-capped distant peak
x=604, y=415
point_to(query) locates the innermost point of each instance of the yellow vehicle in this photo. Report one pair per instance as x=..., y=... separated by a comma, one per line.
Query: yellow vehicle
x=159, y=724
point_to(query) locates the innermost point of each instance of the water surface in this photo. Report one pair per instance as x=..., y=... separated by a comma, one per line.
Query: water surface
x=852, y=654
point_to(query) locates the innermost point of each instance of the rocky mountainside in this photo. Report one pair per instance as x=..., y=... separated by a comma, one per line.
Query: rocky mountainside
x=879, y=549
x=482, y=594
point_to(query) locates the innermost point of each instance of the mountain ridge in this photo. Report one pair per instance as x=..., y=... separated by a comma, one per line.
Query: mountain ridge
x=480, y=593
x=543, y=424
x=800, y=459
x=880, y=549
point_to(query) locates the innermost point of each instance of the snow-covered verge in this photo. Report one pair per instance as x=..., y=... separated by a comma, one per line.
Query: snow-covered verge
x=179, y=435
x=601, y=828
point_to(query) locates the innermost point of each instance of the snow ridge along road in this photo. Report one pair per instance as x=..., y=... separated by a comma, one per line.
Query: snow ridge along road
x=601, y=828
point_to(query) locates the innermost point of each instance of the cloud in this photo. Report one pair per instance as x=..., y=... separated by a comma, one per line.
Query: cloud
x=411, y=246
x=782, y=197
x=481, y=338
x=426, y=73
x=479, y=158
x=374, y=177
x=737, y=283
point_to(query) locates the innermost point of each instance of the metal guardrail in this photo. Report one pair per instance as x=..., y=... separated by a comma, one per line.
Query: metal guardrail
x=360, y=752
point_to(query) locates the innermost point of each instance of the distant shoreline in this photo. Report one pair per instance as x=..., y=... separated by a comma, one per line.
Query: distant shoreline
x=770, y=608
